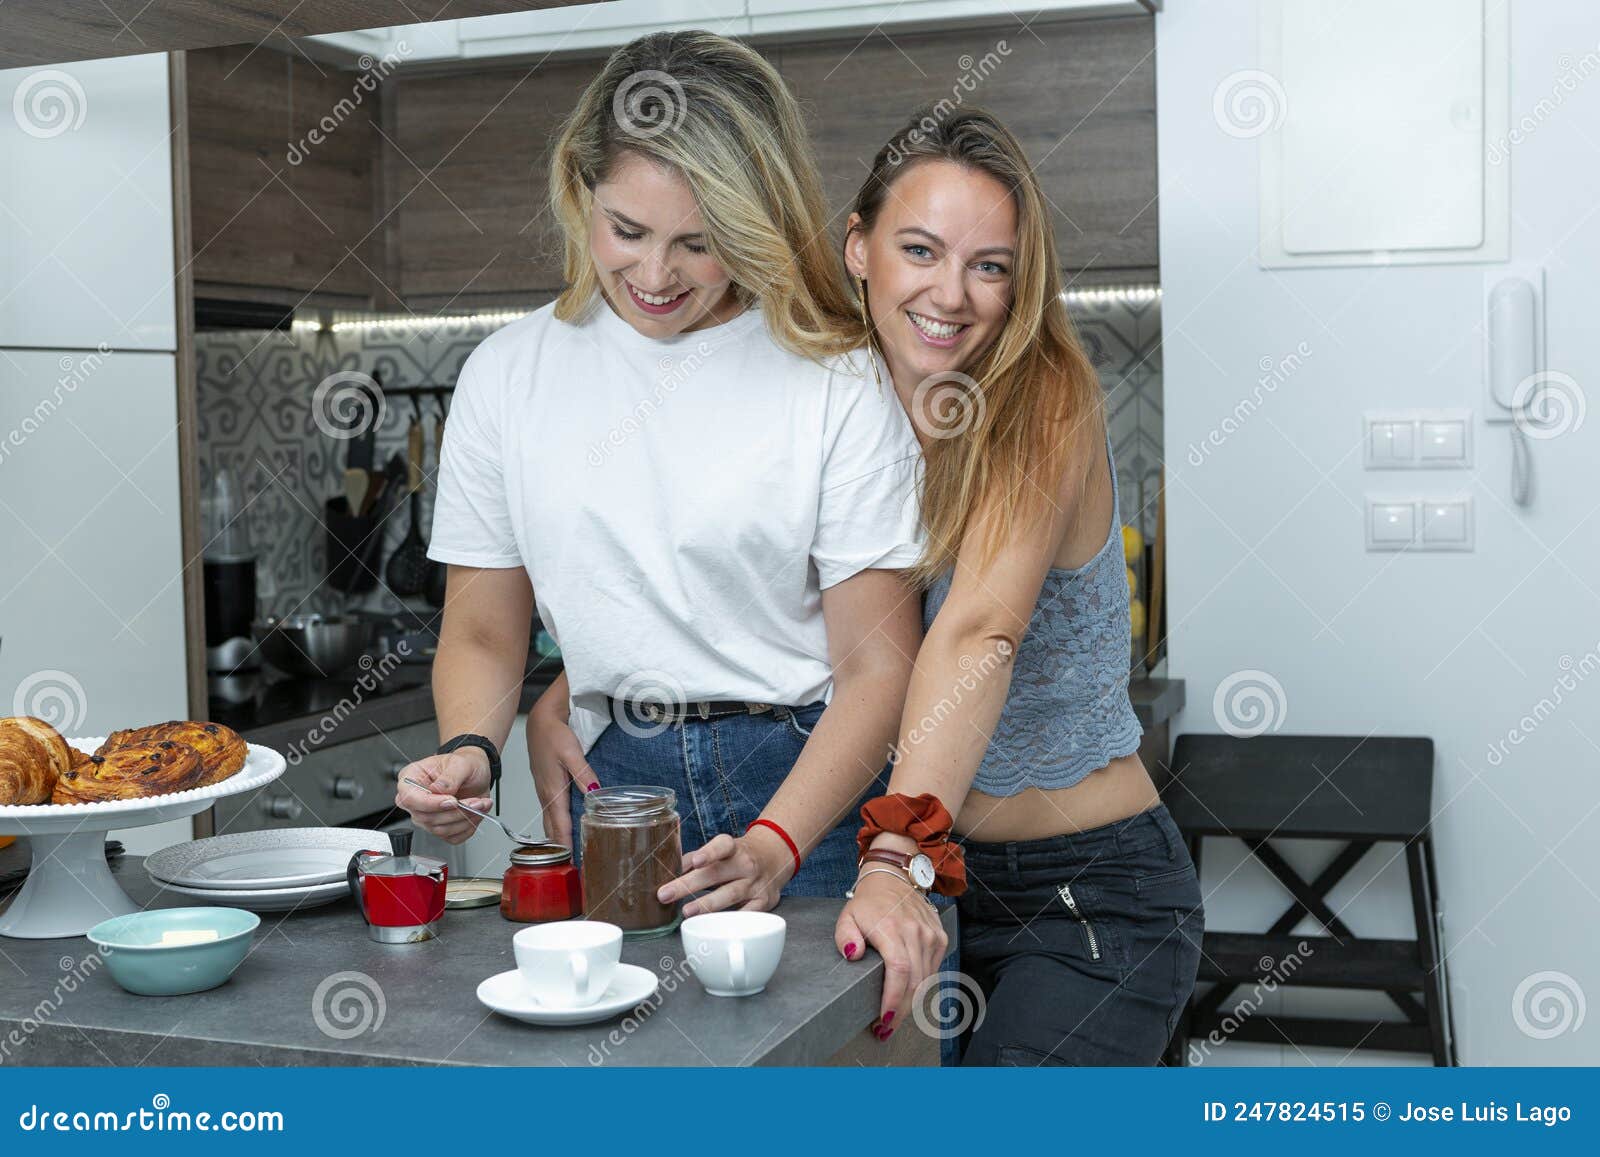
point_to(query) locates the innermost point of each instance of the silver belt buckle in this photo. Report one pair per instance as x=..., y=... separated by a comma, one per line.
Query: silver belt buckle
x=757, y=708
x=651, y=711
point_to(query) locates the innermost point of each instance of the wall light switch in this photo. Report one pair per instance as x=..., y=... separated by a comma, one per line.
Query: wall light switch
x=1391, y=524
x=1447, y=524
x=1443, y=443
x=1417, y=439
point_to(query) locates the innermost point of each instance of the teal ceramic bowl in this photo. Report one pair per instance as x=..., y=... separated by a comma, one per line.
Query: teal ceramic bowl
x=145, y=954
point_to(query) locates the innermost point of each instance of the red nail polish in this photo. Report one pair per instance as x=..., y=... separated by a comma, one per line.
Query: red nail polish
x=887, y=1033
x=592, y=786
x=888, y=1016
x=849, y=950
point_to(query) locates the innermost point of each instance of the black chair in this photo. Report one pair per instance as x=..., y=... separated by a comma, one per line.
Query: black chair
x=1359, y=792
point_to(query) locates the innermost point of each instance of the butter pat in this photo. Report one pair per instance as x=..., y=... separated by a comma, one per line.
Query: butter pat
x=177, y=937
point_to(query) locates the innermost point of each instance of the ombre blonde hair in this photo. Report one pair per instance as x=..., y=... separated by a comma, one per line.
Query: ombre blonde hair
x=1039, y=418
x=716, y=112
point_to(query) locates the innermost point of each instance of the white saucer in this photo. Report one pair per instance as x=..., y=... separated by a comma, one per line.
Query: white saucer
x=630, y=986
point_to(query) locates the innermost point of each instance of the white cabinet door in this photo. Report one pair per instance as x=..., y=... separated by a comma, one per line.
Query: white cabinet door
x=91, y=593
x=86, y=206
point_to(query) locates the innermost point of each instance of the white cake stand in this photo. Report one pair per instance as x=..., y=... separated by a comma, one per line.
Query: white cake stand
x=70, y=888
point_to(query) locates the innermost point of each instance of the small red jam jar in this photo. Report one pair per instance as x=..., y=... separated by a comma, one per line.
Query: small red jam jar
x=541, y=884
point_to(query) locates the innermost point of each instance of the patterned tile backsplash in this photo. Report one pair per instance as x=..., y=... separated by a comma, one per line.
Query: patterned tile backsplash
x=255, y=391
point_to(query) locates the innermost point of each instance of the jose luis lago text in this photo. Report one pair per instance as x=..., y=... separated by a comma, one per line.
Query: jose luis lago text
x=1408, y=1113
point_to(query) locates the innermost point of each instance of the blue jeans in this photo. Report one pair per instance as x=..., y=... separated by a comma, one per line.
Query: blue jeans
x=724, y=771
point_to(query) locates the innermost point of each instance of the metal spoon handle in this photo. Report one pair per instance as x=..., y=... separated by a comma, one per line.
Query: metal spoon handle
x=471, y=811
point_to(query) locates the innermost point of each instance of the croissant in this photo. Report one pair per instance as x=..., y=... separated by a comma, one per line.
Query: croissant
x=131, y=772
x=32, y=756
x=222, y=750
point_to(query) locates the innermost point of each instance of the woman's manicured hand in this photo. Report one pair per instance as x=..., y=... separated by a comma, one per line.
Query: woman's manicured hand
x=557, y=760
x=894, y=918
x=462, y=775
x=746, y=873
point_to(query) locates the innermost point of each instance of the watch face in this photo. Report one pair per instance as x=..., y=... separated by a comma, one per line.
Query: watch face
x=921, y=869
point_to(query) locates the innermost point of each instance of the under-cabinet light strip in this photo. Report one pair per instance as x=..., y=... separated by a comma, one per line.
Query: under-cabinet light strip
x=350, y=323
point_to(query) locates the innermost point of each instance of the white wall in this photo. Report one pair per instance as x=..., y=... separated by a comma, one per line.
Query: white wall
x=1266, y=562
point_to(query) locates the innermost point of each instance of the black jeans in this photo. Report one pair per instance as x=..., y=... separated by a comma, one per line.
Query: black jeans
x=1085, y=947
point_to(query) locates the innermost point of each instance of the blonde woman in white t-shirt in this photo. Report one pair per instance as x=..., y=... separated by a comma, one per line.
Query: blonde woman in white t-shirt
x=709, y=499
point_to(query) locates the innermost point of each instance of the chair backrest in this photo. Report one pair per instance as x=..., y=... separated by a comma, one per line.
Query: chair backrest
x=1310, y=786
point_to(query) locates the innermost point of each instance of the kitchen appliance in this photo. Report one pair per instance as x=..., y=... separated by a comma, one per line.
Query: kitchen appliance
x=314, y=644
x=401, y=896
x=228, y=575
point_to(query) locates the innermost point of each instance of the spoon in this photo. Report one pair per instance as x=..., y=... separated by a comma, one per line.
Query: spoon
x=516, y=837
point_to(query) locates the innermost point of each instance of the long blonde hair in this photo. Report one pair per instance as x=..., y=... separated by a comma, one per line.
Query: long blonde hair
x=1038, y=416
x=716, y=112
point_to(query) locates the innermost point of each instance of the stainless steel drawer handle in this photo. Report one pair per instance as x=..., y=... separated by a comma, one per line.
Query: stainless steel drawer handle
x=282, y=807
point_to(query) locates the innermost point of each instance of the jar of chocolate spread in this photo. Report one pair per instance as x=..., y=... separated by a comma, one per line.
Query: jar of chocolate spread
x=631, y=847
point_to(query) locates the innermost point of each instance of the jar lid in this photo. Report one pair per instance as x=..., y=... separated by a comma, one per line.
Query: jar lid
x=540, y=854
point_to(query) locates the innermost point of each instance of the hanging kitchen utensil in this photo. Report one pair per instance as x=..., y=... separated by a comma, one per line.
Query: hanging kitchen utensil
x=407, y=572
x=438, y=572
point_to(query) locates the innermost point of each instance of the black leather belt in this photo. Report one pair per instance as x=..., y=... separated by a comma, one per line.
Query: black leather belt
x=694, y=709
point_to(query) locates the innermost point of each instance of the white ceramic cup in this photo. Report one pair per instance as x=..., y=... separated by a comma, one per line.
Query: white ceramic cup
x=733, y=953
x=567, y=964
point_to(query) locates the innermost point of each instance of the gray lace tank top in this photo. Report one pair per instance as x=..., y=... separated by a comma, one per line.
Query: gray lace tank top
x=1068, y=712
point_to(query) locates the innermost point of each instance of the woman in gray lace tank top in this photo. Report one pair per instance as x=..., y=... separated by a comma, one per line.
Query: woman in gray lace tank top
x=1081, y=916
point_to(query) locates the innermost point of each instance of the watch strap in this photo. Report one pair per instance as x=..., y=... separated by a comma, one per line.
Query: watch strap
x=468, y=739
x=887, y=856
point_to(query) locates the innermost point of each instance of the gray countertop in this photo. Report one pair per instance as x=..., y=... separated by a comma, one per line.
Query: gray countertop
x=68, y=1011
x=1155, y=701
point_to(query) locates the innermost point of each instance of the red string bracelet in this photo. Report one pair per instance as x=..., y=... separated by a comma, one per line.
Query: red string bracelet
x=794, y=849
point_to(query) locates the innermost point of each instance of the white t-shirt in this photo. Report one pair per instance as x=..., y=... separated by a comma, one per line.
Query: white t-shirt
x=679, y=505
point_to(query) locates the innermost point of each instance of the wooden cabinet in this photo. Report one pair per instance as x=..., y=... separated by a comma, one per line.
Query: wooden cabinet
x=281, y=178
x=465, y=182
x=1079, y=96
x=437, y=200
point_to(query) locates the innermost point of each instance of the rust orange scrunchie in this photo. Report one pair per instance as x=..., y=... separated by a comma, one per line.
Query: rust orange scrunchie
x=924, y=819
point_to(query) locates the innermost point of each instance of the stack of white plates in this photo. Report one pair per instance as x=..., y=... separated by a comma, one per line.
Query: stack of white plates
x=267, y=871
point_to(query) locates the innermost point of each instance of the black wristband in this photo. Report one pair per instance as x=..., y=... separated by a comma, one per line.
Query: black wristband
x=486, y=745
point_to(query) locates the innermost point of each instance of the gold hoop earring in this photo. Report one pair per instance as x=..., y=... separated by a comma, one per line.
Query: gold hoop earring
x=866, y=325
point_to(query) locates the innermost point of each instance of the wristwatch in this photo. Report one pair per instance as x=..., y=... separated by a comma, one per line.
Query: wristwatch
x=487, y=746
x=916, y=865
